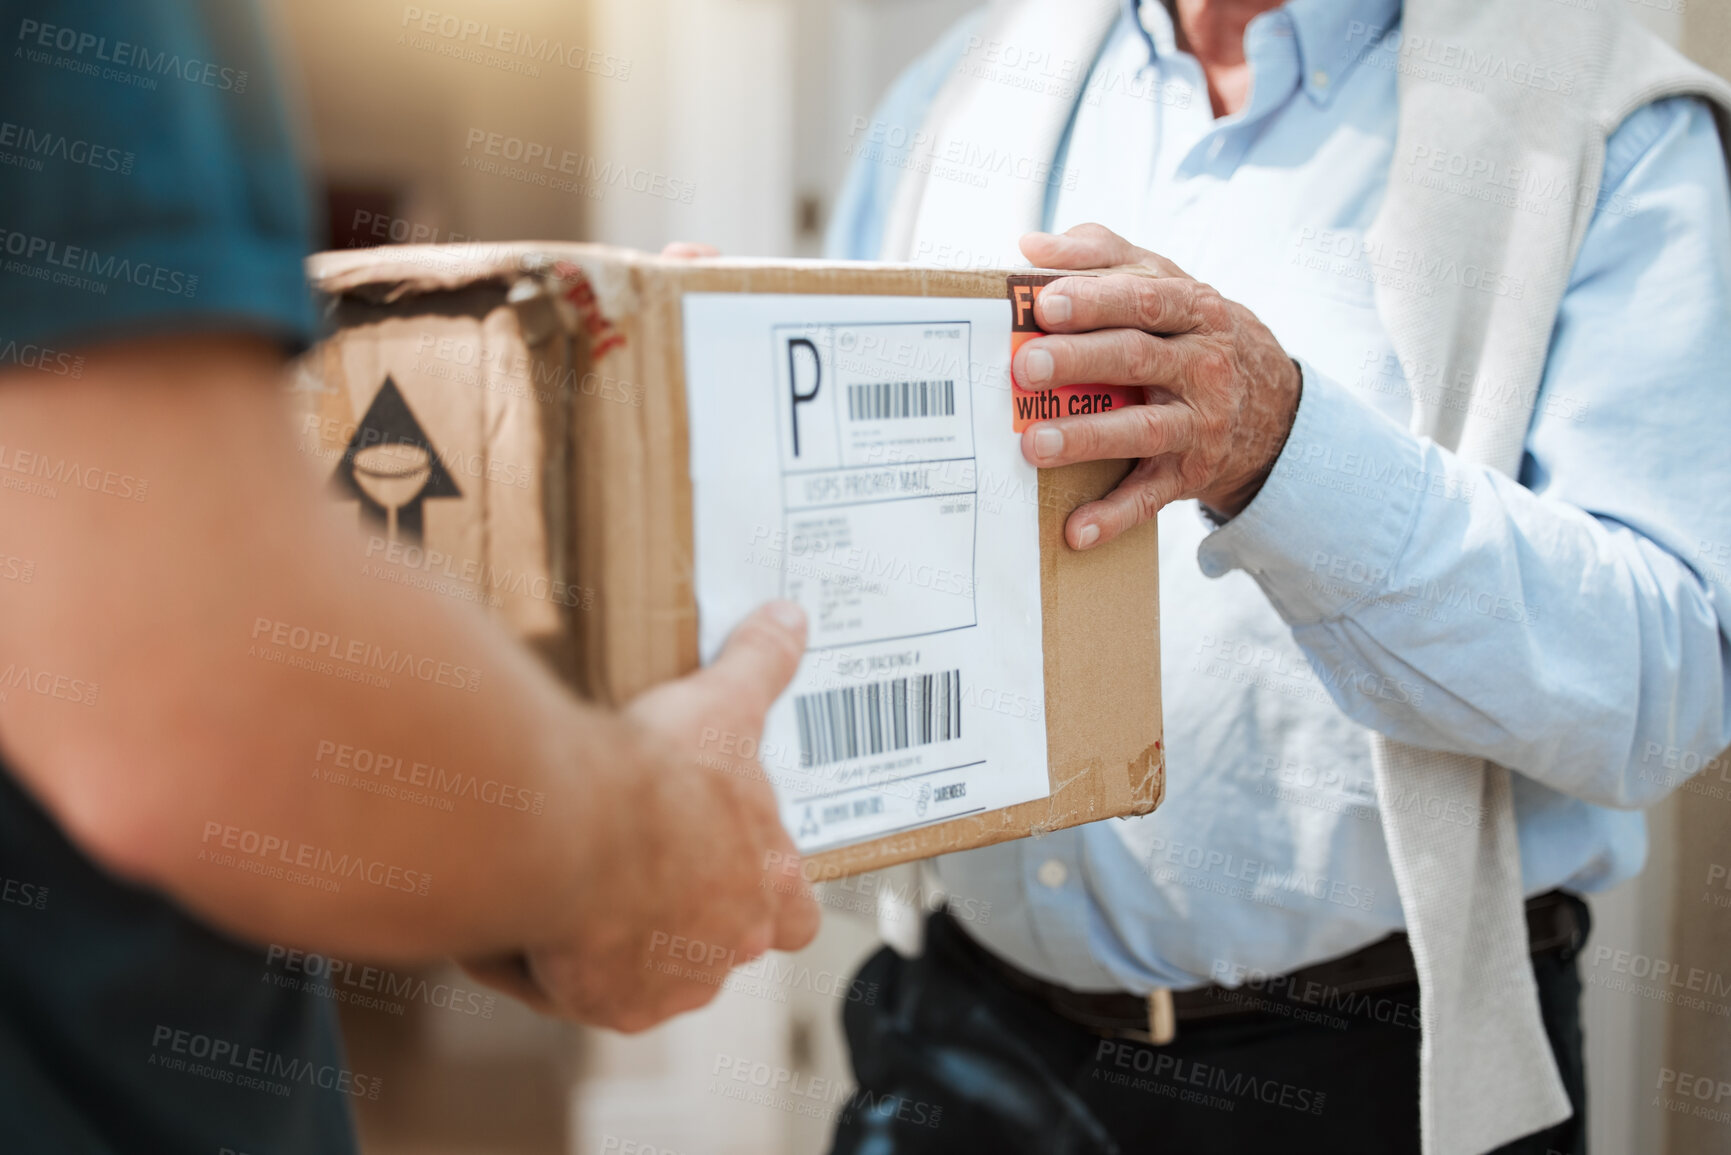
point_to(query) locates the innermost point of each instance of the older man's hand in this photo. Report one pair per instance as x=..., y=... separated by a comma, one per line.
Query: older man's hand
x=1221, y=392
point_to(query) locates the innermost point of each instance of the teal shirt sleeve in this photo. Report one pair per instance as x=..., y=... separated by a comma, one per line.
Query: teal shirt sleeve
x=149, y=181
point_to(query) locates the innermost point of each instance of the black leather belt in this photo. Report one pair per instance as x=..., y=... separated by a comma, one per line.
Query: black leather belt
x=1335, y=989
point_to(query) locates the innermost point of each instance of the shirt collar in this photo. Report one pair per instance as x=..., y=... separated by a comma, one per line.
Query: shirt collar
x=1331, y=34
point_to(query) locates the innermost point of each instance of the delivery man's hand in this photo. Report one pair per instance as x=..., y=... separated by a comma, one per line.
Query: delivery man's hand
x=1222, y=393
x=714, y=881
x=576, y=847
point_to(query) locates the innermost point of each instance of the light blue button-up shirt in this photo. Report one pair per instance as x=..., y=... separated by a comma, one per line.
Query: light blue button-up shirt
x=1571, y=627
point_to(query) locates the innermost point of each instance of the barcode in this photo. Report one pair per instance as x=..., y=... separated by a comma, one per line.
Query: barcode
x=856, y=721
x=879, y=400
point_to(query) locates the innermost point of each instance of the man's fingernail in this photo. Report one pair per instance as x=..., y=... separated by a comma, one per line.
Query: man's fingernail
x=788, y=614
x=1048, y=442
x=1055, y=307
x=1037, y=366
x=1087, y=536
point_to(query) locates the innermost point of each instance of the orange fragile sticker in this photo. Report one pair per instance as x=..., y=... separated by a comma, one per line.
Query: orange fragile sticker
x=1066, y=400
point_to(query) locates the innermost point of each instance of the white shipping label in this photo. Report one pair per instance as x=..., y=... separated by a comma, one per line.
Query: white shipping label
x=855, y=455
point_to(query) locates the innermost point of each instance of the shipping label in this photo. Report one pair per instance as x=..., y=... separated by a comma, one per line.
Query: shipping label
x=837, y=449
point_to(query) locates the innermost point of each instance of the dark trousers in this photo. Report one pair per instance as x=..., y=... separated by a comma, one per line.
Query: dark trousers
x=950, y=1060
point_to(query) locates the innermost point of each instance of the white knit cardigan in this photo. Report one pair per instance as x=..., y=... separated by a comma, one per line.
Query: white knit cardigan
x=1486, y=1075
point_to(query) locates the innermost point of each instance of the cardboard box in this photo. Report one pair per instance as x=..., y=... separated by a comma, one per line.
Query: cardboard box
x=549, y=382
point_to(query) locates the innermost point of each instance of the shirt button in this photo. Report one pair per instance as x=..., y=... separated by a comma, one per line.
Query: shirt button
x=1052, y=873
x=1214, y=148
x=1319, y=78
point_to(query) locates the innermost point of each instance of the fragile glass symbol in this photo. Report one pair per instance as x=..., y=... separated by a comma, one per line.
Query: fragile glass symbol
x=393, y=475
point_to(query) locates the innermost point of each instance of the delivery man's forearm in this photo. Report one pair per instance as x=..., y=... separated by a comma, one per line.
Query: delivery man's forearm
x=221, y=703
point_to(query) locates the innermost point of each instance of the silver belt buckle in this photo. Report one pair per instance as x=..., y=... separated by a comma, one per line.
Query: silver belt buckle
x=1162, y=1017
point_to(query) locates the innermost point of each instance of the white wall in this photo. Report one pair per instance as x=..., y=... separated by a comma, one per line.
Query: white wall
x=750, y=99
x=710, y=101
